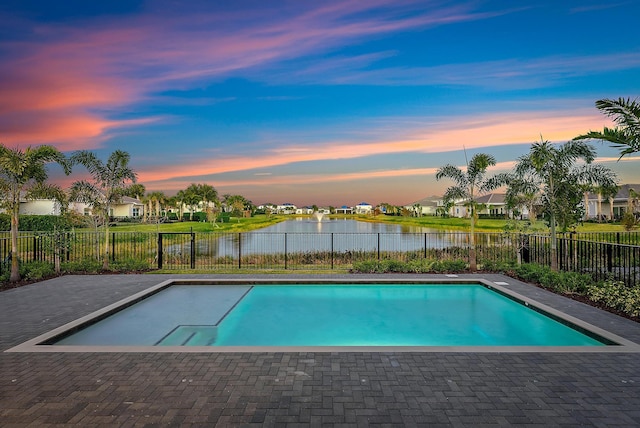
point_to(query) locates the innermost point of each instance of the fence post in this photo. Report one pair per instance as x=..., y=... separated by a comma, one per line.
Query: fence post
x=285, y=250
x=425, y=245
x=239, y=250
x=378, y=246
x=113, y=246
x=193, y=250
x=609, y=258
x=331, y=250
x=159, y=250
x=524, y=251
x=35, y=249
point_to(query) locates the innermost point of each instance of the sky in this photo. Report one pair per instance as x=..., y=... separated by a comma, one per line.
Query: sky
x=312, y=102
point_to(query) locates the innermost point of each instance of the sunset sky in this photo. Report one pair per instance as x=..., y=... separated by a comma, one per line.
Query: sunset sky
x=312, y=102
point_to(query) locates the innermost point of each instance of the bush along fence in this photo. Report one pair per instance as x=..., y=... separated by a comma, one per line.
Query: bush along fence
x=604, y=256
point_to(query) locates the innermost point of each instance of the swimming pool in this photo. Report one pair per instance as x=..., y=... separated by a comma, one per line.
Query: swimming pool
x=325, y=315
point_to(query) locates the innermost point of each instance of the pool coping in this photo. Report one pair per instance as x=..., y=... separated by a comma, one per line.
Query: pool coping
x=38, y=344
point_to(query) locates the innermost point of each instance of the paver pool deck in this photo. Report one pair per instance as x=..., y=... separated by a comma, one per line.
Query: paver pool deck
x=301, y=388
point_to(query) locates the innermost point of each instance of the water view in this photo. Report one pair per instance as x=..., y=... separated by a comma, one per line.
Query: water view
x=331, y=235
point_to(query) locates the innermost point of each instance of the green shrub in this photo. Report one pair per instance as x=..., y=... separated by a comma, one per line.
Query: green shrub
x=497, y=266
x=616, y=295
x=452, y=266
x=367, y=266
x=82, y=266
x=199, y=216
x=38, y=223
x=412, y=266
x=35, y=271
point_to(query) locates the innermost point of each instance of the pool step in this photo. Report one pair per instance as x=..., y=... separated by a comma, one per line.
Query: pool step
x=191, y=335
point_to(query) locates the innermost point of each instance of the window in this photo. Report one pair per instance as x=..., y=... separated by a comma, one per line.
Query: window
x=136, y=212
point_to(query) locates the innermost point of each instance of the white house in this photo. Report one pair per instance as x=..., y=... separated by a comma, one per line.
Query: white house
x=425, y=206
x=128, y=207
x=304, y=210
x=613, y=207
x=40, y=207
x=344, y=210
x=363, y=208
x=494, y=205
x=286, y=208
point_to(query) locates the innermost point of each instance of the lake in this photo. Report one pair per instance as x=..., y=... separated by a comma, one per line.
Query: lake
x=301, y=235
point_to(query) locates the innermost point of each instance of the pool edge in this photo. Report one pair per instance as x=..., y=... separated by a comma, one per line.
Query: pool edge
x=39, y=343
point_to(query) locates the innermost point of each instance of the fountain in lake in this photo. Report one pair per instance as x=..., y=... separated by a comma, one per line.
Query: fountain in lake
x=318, y=215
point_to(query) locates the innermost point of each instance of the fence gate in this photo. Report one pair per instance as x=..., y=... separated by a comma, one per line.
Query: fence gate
x=176, y=250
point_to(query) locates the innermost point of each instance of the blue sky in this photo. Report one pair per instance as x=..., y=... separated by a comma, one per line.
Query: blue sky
x=327, y=103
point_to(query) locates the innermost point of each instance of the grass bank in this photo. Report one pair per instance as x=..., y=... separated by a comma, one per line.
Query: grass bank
x=236, y=224
x=482, y=225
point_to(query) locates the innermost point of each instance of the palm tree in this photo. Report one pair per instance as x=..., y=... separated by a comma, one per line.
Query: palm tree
x=156, y=201
x=469, y=185
x=626, y=135
x=107, y=188
x=192, y=197
x=209, y=197
x=135, y=190
x=562, y=181
x=23, y=174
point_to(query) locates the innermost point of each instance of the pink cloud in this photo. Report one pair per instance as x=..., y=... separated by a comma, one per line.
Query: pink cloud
x=473, y=132
x=78, y=72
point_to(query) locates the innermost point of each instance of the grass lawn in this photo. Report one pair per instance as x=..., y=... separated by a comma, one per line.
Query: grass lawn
x=236, y=224
x=482, y=225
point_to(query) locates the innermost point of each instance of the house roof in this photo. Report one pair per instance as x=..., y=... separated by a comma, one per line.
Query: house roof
x=129, y=200
x=430, y=201
x=491, y=198
x=623, y=192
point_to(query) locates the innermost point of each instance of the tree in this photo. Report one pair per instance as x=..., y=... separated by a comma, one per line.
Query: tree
x=626, y=135
x=135, y=190
x=237, y=204
x=562, y=181
x=523, y=191
x=109, y=183
x=209, y=197
x=156, y=201
x=469, y=185
x=23, y=173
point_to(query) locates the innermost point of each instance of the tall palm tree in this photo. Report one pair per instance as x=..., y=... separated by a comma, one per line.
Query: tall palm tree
x=108, y=185
x=209, y=196
x=156, y=200
x=469, y=185
x=23, y=173
x=562, y=181
x=626, y=135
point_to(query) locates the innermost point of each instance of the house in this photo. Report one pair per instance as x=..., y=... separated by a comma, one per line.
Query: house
x=128, y=207
x=344, y=210
x=286, y=208
x=40, y=207
x=268, y=208
x=614, y=207
x=425, y=206
x=492, y=204
x=363, y=208
x=304, y=211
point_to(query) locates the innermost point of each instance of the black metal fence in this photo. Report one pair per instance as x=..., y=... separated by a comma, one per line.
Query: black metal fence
x=602, y=255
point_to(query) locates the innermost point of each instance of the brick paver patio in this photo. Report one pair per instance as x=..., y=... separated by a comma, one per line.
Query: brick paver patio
x=300, y=389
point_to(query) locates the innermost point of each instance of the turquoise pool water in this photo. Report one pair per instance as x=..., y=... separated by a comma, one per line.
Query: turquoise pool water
x=329, y=315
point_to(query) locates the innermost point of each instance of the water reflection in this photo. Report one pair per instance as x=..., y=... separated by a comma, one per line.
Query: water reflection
x=304, y=235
